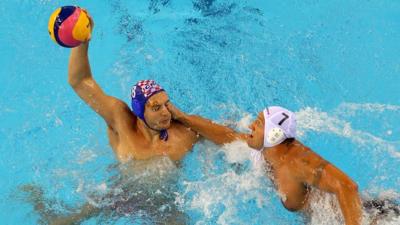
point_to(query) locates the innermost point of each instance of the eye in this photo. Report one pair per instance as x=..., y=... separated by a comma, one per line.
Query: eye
x=156, y=108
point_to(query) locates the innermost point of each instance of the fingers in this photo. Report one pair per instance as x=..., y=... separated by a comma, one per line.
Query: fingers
x=175, y=112
x=171, y=108
x=91, y=21
x=91, y=24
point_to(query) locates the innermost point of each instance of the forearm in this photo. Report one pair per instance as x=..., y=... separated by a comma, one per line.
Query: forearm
x=208, y=129
x=79, y=67
x=350, y=204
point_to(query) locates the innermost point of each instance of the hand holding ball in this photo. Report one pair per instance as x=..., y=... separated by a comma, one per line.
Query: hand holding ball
x=69, y=26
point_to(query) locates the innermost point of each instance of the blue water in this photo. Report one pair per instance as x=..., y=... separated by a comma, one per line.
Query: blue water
x=335, y=63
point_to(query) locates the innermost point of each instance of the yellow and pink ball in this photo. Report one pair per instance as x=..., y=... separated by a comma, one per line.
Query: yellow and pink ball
x=69, y=26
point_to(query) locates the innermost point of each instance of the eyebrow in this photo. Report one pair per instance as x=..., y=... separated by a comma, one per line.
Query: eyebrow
x=156, y=103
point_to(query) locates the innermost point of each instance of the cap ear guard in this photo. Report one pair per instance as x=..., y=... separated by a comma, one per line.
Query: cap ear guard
x=275, y=136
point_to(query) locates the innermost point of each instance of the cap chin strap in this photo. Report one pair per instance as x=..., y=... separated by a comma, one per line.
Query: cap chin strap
x=163, y=132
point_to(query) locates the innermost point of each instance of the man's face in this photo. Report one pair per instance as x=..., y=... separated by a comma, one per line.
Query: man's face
x=156, y=113
x=256, y=138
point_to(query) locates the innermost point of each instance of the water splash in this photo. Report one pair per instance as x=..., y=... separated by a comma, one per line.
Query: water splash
x=315, y=120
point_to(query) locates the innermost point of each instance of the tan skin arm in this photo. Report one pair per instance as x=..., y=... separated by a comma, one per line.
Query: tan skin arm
x=333, y=180
x=214, y=132
x=111, y=109
x=81, y=80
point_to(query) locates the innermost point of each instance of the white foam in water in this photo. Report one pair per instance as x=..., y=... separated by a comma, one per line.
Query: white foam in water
x=325, y=209
x=351, y=108
x=243, y=124
x=314, y=120
x=228, y=189
x=324, y=206
x=237, y=152
x=86, y=155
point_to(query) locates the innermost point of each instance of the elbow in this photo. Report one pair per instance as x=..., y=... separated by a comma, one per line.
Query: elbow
x=219, y=141
x=347, y=187
x=76, y=82
x=350, y=186
x=72, y=82
x=227, y=138
x=223, y=142
x=353, y=187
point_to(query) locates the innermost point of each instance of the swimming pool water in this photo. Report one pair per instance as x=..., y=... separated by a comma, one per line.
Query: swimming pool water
x=335, y=63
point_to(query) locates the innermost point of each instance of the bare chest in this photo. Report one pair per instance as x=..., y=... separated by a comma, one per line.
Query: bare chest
x=131, y=145
x=289, y=173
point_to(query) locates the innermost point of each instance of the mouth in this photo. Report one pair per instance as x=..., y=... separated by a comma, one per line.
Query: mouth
x=165, y=121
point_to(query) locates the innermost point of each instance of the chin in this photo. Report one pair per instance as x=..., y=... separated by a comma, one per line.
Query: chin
x=163, y=126
x=251, y=143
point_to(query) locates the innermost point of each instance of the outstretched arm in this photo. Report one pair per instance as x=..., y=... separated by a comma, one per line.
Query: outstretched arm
x=81, y=80
x=214, y=132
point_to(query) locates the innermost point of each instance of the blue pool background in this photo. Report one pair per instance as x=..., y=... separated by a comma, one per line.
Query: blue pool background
x=335, y=63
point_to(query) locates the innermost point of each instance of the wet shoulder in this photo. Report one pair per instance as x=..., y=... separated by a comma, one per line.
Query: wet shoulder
x=305, y=156
x=181, y=130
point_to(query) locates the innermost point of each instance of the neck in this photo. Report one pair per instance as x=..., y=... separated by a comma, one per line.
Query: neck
x=149, y=134
x=276, y=152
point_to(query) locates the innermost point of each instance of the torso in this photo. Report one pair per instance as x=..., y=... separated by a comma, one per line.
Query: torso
x=292, y=170
x=128, y=143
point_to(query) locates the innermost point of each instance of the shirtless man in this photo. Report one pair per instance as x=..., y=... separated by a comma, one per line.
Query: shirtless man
x=143, y=133
x=140, y=133
x=295, y=167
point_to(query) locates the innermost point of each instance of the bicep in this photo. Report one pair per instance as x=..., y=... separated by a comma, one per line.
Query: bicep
x=104, y=105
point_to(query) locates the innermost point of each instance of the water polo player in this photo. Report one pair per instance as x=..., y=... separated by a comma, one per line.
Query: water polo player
x=145, y=132
x=142, y=132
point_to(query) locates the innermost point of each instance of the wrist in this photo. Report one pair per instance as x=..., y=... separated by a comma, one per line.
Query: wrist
x=84, y=46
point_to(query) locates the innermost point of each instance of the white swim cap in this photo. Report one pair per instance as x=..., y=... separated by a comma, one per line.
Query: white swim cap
x=279, y=125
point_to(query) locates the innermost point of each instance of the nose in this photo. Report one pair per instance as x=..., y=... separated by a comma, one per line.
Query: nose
x=165, y=111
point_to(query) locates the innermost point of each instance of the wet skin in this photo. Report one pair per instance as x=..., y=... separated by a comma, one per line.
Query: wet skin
x=129, y=136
